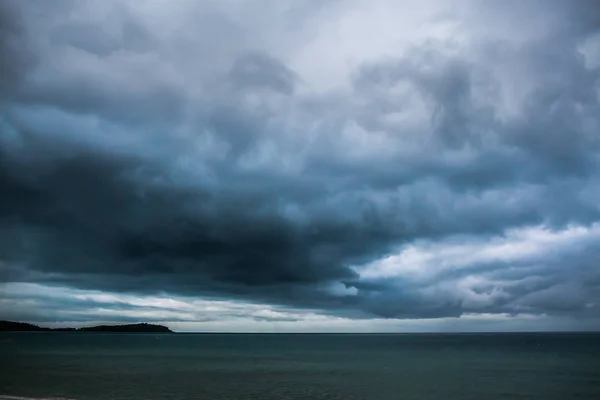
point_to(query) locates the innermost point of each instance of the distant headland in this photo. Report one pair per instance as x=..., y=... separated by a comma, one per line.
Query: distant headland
x=9, y=326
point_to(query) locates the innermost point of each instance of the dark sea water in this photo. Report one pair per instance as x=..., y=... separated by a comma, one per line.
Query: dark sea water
x=264, y=366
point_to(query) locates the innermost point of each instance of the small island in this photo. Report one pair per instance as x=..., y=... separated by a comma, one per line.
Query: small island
x=9, y=326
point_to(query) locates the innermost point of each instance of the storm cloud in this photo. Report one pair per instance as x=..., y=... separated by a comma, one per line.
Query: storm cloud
x=389, y=160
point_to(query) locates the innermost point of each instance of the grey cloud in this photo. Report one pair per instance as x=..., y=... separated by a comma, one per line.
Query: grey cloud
x=131, y=36
x=563, y=280
x=557, y=127
x=145, y=199
x=86, y=68
x=256, y=70
x=15, y=57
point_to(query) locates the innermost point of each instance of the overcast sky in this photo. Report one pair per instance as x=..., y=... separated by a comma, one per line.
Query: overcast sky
x=289, y=165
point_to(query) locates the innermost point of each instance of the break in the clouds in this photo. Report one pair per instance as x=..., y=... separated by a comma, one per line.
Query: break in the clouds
x=326, y=165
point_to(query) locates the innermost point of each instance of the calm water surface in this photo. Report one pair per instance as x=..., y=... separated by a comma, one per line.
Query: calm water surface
x=262, y=366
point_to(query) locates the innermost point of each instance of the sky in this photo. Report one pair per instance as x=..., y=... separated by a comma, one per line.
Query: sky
x=301, y=166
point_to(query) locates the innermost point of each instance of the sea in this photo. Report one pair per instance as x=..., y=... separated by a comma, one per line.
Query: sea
x=100, y=366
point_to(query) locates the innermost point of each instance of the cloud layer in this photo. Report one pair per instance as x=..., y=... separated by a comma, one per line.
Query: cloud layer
x=381, y=160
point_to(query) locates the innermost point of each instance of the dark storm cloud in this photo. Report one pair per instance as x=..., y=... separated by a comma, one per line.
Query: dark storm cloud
x=123, y=171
